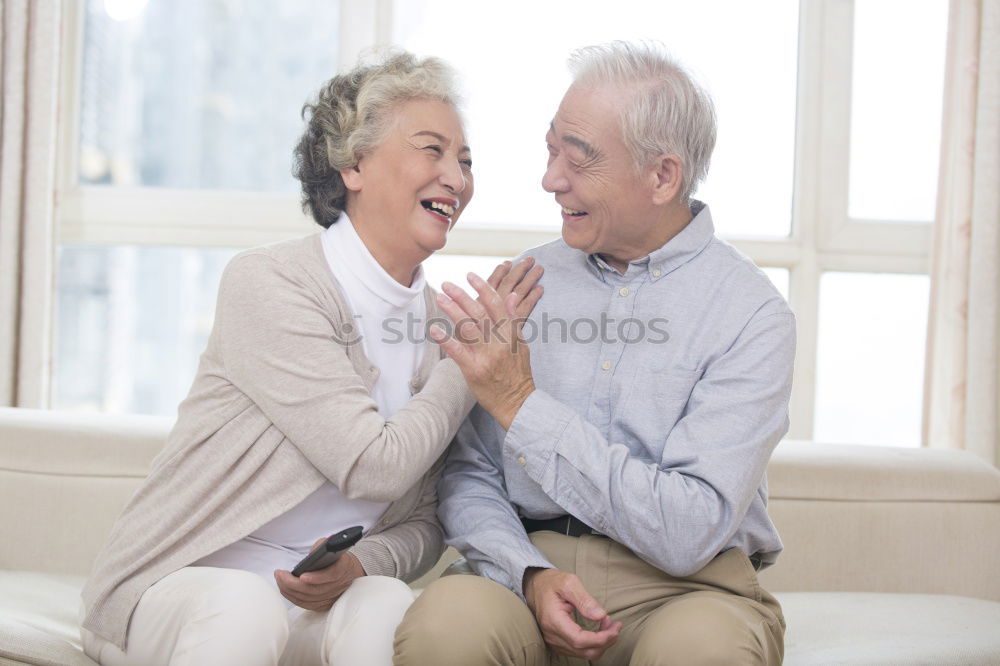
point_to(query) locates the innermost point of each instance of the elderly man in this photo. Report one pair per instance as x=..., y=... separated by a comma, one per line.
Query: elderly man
x=609, y=489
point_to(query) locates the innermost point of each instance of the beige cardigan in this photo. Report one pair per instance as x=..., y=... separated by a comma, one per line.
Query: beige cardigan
x=280, y=404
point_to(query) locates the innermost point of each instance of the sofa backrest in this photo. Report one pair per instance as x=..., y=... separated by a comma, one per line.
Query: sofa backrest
x=64, y=478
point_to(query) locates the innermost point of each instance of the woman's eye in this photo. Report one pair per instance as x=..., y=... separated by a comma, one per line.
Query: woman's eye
x=467, y=163
x=436, y=149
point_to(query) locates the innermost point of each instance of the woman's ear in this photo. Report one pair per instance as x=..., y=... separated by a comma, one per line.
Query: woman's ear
x=352, y=177
x=667, y=177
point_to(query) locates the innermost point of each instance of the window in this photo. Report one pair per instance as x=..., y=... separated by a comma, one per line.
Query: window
x=824, y=172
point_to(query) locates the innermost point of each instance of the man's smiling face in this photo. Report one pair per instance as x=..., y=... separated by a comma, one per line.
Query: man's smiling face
x=607, y=206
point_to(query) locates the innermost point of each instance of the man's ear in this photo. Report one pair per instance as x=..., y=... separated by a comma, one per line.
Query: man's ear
x=667, y=177
x=353, y=178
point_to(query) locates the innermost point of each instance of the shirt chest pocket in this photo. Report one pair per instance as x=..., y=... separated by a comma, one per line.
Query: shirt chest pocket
x=658, y=385
x=655, y=401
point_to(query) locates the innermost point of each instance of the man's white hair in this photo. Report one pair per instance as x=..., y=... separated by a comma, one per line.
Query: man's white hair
x=664, y=112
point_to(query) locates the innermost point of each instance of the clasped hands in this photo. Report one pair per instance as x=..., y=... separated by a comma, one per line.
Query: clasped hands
x=486, y=342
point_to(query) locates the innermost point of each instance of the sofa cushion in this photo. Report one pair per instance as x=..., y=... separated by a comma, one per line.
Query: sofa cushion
x=871, y=628
x=38, y=625
x=38, y=619
x=842, y=472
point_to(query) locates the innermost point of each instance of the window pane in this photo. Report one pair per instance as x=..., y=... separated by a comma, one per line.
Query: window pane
x=780, y=278
x=513, y=93
x=870, y=358
x=896, y=108
x=453, y=268
x=200, y=93
x=131, y=325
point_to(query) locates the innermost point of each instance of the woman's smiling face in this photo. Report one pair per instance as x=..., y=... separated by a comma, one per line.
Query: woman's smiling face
x=409, y=191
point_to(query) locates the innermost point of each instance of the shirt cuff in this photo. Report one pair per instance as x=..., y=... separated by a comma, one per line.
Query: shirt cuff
x=536, y=430
x=511, y=575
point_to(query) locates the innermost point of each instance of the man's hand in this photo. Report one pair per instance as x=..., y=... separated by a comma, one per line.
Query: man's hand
x=553, y=595
x=317, y=590
x=487, y=345
x=518, y=279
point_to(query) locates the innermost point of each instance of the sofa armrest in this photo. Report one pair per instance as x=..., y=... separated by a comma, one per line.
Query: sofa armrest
x=884, y=519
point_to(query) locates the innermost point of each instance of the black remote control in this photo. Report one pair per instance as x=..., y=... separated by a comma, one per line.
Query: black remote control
x=329, y=551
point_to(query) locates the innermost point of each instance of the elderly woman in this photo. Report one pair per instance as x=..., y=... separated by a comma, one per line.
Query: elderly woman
x=305, y=418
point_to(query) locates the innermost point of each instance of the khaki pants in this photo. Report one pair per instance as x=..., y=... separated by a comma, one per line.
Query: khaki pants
x=719, y=615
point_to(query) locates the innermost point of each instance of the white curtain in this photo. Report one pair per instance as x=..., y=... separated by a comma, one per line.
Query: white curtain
x=29, y=67
x=962, y=401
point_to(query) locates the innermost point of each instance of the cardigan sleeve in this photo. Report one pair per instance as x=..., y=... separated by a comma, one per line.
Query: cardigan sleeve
x=281, y=347
x=410, y=548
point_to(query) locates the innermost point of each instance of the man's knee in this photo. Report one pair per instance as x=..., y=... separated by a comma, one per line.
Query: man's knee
x=466, y=619
x=708, y=629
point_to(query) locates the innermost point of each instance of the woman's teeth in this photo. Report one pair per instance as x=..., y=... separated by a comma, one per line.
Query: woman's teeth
x=570, y=211
x=443, y=208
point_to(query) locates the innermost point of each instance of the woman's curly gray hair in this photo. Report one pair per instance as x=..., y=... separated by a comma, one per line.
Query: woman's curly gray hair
x=349, y=118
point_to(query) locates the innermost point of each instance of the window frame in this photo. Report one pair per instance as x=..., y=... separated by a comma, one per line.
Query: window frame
x=823, y=237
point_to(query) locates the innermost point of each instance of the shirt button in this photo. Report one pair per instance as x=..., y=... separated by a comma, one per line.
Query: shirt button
x=623, y=291
x=606, y=365
x=522, y=461
x=657, y=273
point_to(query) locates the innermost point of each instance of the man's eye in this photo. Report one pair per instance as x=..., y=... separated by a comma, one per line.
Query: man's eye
x=552, y=149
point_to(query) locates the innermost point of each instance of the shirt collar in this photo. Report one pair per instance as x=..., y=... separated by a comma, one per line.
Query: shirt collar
x=676, y=252
x=345, y=246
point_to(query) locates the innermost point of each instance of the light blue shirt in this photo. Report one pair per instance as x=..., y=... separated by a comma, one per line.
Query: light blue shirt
x=660, y=395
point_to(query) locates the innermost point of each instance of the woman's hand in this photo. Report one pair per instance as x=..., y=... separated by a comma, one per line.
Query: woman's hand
x=317, y=590
x=520, y=279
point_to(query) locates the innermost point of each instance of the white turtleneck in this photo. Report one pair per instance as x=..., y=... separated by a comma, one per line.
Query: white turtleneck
x=384, y=310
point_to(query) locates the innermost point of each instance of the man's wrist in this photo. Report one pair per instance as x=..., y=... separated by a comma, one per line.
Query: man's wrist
x=526, y=580
x=506, y=412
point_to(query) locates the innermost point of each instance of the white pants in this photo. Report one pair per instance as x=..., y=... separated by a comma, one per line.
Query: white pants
x=203, y=615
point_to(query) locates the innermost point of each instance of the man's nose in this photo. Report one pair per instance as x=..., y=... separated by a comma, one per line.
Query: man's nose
x=554, y=180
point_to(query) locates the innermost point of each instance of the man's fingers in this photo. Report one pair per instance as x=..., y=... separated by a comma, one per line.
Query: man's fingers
x=488, y=298
x=515, y=276
x=499, y=273
x=529, y=281
x=521, y=309
x=575, y=593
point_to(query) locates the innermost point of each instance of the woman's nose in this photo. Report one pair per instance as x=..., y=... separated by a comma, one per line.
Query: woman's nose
x=453, y=178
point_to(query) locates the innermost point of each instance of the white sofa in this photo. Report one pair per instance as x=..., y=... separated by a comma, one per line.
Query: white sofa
x=892, y=556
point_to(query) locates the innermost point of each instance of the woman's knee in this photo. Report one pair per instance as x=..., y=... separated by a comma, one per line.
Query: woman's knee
x=378, y=595
x=244, y=602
